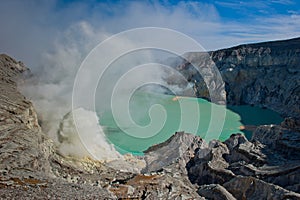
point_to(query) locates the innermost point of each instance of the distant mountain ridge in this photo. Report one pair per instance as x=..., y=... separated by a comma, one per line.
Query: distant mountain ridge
x=292, y=43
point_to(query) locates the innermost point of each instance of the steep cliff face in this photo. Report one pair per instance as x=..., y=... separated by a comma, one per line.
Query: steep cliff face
x=19, y=141
x=264, y=74
x=12, y=102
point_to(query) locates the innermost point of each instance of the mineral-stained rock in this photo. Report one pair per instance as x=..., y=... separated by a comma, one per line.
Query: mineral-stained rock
x=155, y=186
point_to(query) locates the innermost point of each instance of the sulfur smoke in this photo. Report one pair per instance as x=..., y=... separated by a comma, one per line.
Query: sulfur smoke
x=51, y=86
x=64, y=116
x=52, y=83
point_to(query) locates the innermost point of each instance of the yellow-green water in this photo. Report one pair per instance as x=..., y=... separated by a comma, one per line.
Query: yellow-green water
x=184, y=111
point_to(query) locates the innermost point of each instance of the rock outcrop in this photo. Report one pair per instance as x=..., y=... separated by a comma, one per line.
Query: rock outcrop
x=263, y=74
x=236, y=168
x=259, y=158
x=177, y=149
x=29, y=164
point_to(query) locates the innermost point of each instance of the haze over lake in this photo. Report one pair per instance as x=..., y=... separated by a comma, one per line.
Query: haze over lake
x=141, y=102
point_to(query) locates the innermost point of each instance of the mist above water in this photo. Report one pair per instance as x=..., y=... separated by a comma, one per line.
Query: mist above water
x=52, y=84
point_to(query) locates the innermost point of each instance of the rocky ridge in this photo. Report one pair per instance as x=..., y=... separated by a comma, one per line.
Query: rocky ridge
x=263, y=74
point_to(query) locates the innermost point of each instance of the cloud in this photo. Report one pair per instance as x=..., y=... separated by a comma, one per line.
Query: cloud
x=283, y=2
x=243, y=5
x=28, y=29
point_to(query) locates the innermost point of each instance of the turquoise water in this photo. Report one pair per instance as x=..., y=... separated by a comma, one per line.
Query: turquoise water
x=194, y=114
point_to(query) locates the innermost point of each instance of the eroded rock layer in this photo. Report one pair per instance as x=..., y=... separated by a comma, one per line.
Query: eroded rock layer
x=263, y=74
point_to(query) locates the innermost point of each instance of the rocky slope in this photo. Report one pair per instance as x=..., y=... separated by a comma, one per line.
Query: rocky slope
x=183, y=167
x=32, y=168
x=264, y=74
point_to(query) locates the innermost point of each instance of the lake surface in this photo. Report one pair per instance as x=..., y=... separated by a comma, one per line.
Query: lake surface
x=192, y=115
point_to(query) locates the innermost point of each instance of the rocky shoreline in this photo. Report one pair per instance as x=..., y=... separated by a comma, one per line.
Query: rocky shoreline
x=183, y=167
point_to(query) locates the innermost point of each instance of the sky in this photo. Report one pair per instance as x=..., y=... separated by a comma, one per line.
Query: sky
x=32, y=28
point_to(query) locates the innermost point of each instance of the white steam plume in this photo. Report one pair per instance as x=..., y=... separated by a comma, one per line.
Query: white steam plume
x=50, y=89
x=51, y=86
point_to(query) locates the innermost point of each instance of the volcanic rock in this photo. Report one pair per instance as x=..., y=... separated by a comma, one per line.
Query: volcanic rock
x=31, y=167
x=263, y=74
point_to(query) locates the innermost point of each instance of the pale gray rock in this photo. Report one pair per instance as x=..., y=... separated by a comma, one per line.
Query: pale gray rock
x=179, y=148
x=243, y=150
x=257, y=158
x=211, y=168
x=21, y=147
